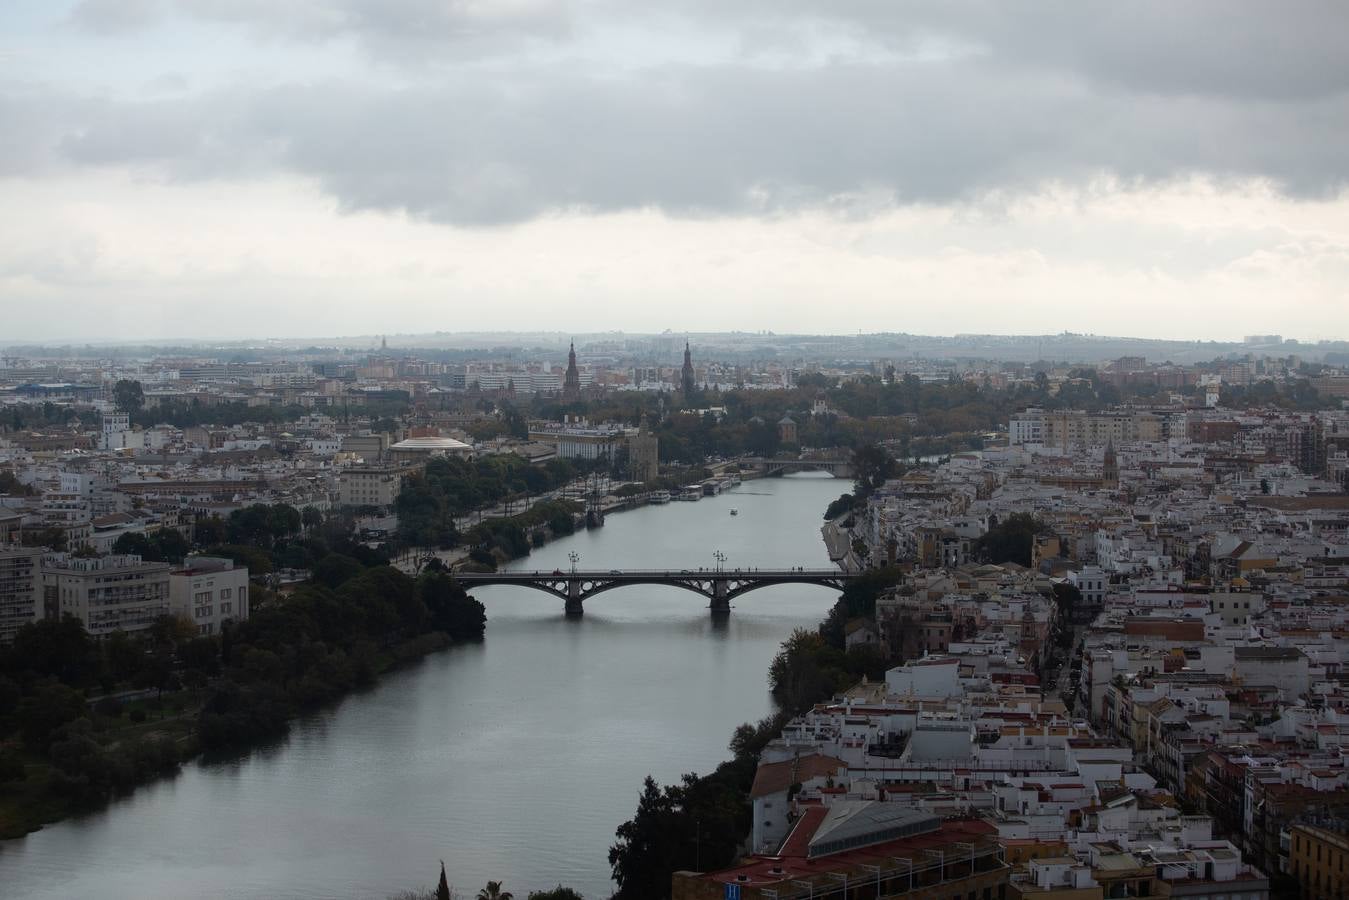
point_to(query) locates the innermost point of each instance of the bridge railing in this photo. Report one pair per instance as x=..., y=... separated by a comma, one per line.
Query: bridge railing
x=619, y=573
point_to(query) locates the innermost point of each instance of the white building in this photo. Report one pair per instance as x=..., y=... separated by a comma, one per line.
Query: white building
x=117, y=433
x=928, y=677
x=209, y=591
x=106, y=593
x=1026, y=428
x=20, y=589
x=1092, y=583
x=581, y=441
x=369, y=485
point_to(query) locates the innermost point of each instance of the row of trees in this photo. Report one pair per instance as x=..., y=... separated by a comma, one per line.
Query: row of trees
x=358, y=616
x=45, y=675
x=514, y=536
x=429, y=502
x=492, y=891
x=324, y=641
x=129, y=397
x=37, y=416
x=277, y=536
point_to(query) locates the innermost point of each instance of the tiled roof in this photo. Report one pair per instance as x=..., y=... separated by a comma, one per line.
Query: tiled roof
x=773, y=778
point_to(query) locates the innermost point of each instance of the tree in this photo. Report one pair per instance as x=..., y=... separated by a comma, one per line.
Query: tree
x=443, y=888
x=164, y=545
x=451, y=609
x=1010, y=540
x=334, y=570
x=805, y=671
x=57, y=647
x=134, y=543
x=49, y=707
x=9, y=484
x=493, y=891
x=840, y=506
x=643, y=858
x=209, y=530
x=557, y=893
x=128, y=396
x=55, y=538
x=871, y=467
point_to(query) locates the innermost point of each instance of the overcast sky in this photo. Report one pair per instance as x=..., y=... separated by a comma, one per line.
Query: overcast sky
x=255, y=168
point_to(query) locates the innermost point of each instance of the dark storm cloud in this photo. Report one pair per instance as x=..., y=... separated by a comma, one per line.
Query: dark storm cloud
x=1222, y=47
x=1017, y=97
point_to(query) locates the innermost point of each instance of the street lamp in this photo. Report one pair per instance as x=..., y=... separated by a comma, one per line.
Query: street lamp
x=719, y=557
x=575, y=558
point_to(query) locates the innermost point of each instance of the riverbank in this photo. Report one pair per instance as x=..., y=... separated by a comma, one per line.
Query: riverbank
x=513, y=759
x=716, y=807
x=113, y=750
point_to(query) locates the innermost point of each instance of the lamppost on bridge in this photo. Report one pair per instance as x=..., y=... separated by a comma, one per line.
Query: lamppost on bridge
x=575, y=558
x=720, y=558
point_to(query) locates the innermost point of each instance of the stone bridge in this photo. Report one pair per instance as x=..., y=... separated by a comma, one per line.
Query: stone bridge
x=718, y=586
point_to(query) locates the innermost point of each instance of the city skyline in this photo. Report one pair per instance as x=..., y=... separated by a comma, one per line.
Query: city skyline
x=192, y=170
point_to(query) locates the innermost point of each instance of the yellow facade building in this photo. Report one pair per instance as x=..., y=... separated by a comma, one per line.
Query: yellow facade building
x=1319, y=860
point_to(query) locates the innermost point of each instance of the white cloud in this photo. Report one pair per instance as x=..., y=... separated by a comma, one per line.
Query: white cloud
x=270, y=258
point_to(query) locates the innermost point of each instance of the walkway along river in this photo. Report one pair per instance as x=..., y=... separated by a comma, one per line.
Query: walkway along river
x=512, y=760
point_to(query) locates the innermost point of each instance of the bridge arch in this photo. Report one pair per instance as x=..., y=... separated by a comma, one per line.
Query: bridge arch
x=718, y=587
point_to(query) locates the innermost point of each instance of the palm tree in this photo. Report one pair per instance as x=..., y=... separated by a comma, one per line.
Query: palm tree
x=493, y=891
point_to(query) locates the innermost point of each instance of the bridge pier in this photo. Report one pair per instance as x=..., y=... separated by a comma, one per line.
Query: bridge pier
x=721, y=603
x=574, y=607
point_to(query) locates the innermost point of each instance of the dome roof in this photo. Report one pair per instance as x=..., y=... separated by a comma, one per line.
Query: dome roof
x=431, y=444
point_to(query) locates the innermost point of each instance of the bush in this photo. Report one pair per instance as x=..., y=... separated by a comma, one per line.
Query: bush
x=138, y=715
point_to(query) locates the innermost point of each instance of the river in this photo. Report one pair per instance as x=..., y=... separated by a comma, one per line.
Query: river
x=512, y=760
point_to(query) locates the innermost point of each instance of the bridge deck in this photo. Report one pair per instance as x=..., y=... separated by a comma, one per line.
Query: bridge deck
x=609, y=574
x=718, y=585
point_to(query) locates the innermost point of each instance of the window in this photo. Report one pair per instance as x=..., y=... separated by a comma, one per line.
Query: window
x=226, y=593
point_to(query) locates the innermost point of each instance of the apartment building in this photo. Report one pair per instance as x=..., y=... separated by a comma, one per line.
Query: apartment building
x=20, y=589
x=1319, y=859
x=209, y=591
x=108, y=593
x=1070, y=429
x=370, y=485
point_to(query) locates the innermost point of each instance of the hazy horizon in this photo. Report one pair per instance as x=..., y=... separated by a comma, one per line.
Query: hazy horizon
x=553, y=339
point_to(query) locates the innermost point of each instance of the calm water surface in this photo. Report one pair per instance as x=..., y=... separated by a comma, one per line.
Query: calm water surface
x=511, y=760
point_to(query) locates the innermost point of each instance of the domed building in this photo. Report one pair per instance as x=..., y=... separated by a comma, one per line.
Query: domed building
x=420, y=449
